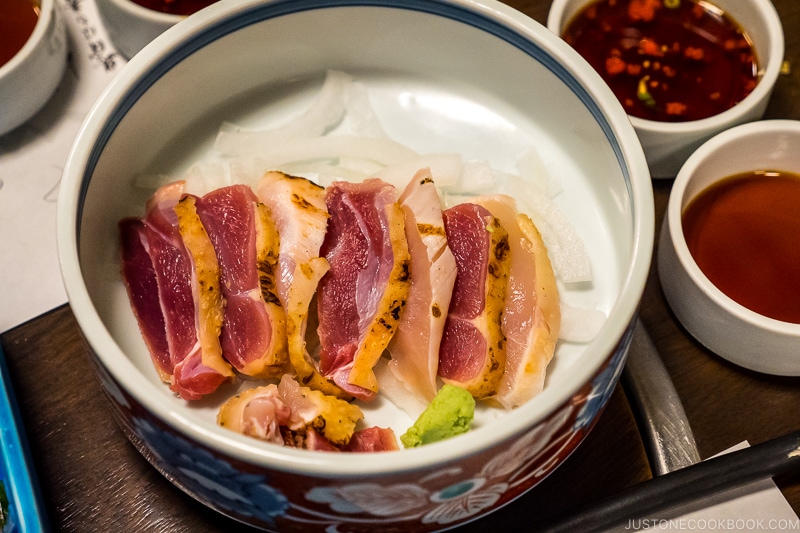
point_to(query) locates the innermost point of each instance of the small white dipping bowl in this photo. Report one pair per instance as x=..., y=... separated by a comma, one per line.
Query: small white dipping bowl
x=725, y=327
x=131, y=26
x=30, y=78
x=667, y=145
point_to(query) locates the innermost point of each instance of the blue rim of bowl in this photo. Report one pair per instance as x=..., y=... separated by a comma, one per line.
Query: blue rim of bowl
x=280, y=8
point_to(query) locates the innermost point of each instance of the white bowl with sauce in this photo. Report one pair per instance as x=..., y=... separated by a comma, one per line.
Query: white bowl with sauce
x=30, y=77
x=667, y=145
x=726, y=327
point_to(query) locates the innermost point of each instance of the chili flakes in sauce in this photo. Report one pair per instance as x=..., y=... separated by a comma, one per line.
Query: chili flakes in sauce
x=666, y=60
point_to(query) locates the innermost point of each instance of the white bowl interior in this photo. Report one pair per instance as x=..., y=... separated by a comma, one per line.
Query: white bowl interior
x=257, y=65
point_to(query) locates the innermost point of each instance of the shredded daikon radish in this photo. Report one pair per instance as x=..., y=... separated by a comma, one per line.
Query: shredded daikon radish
x=308, y=146
x=395, y=391
x=247, y=170
x=325, y=112
x=359, y=114
x=532, y=168
x=152, y=182
x=279, y=153
x=445, y=169
x=205, y=176
x=579, y=324
x=565, y=247
x=357, y=164
x=323, y=172
x=476, y=177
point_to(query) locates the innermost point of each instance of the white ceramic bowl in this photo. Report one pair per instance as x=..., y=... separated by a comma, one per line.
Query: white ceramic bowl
x=131, y=26
x=725, y=327
x=30, y=78
x=667, y=145
x=465, y=76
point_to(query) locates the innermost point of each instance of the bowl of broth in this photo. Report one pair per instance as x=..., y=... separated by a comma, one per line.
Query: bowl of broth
x=728, y=258
x=33, y=56
x=132, y=24
x=683, y=70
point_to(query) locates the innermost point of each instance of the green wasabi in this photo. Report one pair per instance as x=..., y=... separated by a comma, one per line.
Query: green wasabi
x=449, y=414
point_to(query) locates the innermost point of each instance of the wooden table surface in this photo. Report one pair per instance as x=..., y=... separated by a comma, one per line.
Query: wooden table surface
x=92, y=479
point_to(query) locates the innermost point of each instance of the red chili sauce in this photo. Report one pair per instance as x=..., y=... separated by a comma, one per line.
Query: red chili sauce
x=17, y=20
x=175, y=7
x=668, y=61
x=744, y=234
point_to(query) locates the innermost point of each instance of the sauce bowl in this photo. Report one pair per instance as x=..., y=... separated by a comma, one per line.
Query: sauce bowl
x=29, y=78
x=667, y=145
x=725, y=327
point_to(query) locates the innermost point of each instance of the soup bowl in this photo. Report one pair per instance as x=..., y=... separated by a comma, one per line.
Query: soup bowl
x=475, y=78
x=667, y=145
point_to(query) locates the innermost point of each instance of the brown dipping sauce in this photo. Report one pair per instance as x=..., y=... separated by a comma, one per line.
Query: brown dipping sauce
x=16, y=25
x=666, y=60
x=175, y=7
x=744, y=234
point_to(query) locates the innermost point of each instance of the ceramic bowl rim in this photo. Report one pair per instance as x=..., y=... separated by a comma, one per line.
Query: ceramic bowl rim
x=719, y=143
x=322, y=463
x=733, y=115
x=150, y=15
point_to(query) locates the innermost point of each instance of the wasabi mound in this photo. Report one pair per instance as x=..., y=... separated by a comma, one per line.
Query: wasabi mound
x=449, y=414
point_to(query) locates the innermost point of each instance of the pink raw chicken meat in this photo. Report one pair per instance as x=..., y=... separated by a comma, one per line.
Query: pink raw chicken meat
x=415, y=345
x=245, y=240
x=187, y=282
x=372, y=439
x=472, y=352
x=142, y=286
x=301, y=216
x=361, y=297
x=258, y=412
x=293, y=415
x=531, y=317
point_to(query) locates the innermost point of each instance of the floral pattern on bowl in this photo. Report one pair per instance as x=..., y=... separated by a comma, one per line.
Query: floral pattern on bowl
x=454, y=494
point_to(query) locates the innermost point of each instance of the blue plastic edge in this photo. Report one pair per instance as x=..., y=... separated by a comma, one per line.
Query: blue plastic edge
x=26, y=508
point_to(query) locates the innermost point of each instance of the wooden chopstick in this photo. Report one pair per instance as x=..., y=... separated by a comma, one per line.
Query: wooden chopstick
x=709, y=477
